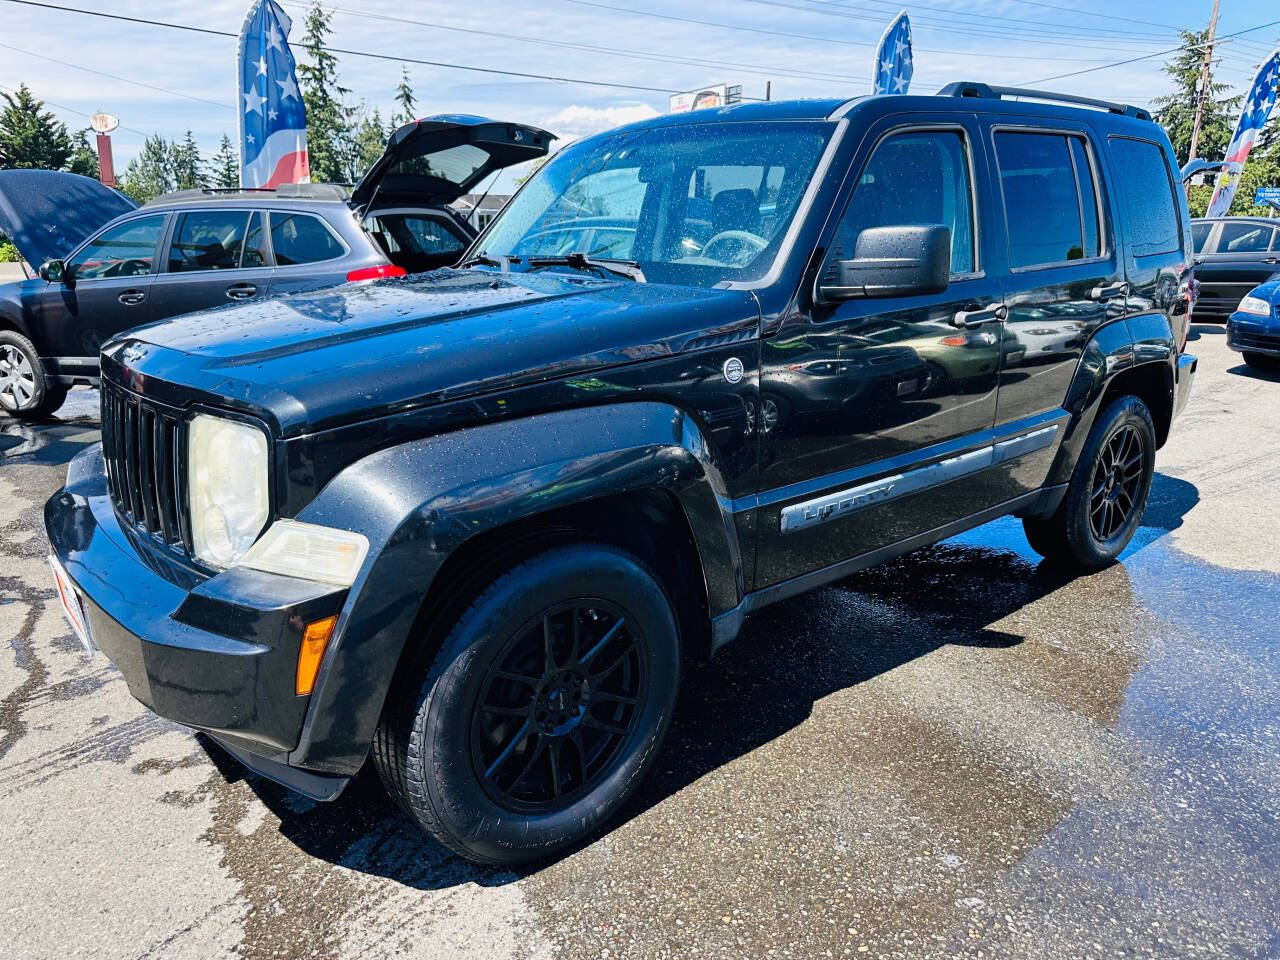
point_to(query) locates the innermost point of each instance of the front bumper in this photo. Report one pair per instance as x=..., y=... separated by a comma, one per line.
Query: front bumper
x=1247, y=333
x=1186, y=374
x=218, y=654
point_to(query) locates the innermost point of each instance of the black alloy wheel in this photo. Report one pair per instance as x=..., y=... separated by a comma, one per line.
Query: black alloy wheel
x=1117, y=482
x=557, y=706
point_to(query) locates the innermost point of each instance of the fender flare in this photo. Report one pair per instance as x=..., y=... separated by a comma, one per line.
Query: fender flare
x=1127, y=343
x=419, y=502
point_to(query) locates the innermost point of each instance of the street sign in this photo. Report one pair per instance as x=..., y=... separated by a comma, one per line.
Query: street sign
x=1264, y=196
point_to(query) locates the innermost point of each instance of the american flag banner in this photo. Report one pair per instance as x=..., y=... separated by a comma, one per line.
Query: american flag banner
x=892, y=71
x=1257, y=110
x=273, y=121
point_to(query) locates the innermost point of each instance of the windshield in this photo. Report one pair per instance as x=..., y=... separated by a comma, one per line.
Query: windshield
x=694, y=204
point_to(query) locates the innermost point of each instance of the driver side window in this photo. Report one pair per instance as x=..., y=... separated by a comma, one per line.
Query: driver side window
x=125, y=250
x=913, y=179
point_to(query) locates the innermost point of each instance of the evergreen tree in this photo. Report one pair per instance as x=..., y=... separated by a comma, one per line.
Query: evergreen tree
x=1176, y=111
x=371, y=141
x=330, y=121
x=150, y=173
x=84, y=158
x=30, y=136
x=404, y=97
x=225, y=166
x=186, y=165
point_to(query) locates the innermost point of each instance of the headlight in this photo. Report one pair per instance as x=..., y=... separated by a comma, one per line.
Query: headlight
x=310, y=552
x=1255, y=306
x=227, y=486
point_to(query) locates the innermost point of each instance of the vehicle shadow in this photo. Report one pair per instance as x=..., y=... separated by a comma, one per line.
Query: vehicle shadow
x=788, y=657
x=1200, y=329
x=1271, y=375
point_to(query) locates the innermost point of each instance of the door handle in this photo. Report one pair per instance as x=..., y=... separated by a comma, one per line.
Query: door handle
x=977, y=316
x=1271, y=259
x=131, y=298
x=1110, y=292
x=241, y=291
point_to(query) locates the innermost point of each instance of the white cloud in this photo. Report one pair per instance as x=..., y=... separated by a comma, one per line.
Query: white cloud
x=576, y=121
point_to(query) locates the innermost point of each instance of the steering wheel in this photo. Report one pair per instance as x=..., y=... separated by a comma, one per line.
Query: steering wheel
x=128, y=268
x=753, y=241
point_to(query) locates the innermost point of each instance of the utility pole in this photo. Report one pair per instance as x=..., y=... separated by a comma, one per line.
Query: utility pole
x=1204, y=83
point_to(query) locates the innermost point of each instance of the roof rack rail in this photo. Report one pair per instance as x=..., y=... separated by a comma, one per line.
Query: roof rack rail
x=967, y=88
x=310, y=191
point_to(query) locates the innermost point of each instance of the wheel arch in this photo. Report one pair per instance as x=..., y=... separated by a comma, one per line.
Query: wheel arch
x=447, y=513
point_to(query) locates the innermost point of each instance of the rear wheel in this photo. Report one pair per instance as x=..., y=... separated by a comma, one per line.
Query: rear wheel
x=25, y=391
x=1107, y=494
x=543, y=709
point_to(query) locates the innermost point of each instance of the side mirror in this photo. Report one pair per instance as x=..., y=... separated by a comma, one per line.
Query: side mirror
x=892, y=262
x=53, y=271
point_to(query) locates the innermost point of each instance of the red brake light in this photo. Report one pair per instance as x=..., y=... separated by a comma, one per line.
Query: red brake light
x=376, y=273
x=953, y=341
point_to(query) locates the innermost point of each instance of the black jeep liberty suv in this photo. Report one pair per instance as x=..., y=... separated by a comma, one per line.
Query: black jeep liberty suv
x=470, y=521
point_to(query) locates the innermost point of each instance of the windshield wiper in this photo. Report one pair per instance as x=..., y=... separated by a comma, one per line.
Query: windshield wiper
x=580, y=261
x=499, y=260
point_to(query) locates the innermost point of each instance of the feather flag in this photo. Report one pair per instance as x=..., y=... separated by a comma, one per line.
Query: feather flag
x=1257, y=110
x=892, y=71
x=273, y=121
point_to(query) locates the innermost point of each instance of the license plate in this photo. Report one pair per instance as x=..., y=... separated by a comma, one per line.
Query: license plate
x=72, y=605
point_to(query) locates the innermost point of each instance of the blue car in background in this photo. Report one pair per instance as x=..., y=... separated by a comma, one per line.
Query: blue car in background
x=1254, y=328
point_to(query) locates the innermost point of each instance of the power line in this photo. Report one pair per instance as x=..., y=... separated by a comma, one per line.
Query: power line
x=644, y=55
x=1149, y=56
x=493, y=71
x=78, y=113
x=780, y=33
x=112, y=76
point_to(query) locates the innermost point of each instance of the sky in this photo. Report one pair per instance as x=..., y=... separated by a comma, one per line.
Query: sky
x=166, y=81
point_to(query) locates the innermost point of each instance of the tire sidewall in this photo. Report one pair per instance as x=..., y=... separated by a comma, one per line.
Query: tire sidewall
x=1131, y=411
x=35, y=406
x=440, y=756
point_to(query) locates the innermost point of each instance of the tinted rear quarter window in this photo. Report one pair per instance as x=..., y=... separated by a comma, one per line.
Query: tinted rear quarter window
x=302, y=238
x=1050, y=203
x=1146, y=197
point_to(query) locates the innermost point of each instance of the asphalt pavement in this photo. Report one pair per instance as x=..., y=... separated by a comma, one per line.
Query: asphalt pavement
x=958, y=754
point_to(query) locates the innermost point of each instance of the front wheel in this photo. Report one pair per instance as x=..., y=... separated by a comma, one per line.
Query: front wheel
x=1107, y=494
x=542, y=711
x=25, y=391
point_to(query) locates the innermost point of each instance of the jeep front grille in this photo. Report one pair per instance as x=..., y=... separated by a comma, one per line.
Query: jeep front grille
x=144, y=449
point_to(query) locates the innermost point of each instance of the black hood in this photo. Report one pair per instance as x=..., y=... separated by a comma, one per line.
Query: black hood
x=438, y=159
x=47, y=214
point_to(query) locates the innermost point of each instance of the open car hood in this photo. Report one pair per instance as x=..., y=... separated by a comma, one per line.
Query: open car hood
x=46, y=213
x=438, y=159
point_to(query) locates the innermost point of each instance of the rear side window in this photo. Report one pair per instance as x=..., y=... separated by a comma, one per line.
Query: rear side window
x=1051, y=204
x=913, y=179
x=301, y=238
x=1200, y=235
x=1245, y=238
x=207, y=240
x=1147, y=198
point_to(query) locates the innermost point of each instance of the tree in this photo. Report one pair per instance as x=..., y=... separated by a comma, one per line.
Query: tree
x=84, y=159
x=1176, y=111
x=30, y=136
x=186, y=165
x=404, y=97
x=224, y=168
x=371, y=141
x=330, y=121
x=150, y=173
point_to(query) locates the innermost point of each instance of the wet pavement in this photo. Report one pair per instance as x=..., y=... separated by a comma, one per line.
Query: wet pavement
x=960, y=753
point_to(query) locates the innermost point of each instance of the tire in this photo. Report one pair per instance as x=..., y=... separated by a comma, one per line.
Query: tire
x=1116, y=467
x=449, y=746
x=1261, y=361
x=25, y=391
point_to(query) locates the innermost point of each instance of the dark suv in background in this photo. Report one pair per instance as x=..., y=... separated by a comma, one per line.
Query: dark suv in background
x=1233, y=255
x=203, y=248
x=469, y=522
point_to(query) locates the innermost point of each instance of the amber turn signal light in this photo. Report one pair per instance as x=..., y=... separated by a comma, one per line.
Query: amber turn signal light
x=314, y=641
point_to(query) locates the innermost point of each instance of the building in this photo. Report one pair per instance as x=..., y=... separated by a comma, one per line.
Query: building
x=489, y=207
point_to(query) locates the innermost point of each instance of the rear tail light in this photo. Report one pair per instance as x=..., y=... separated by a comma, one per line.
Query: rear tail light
x=379, y=272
